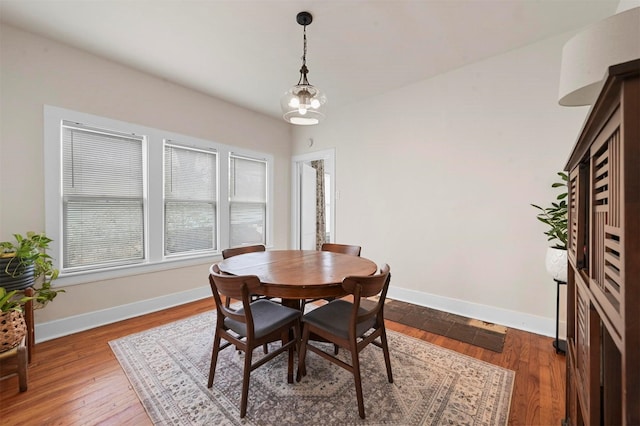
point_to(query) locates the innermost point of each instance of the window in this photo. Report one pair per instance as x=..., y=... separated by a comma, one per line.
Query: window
x=247, y=201
x=102, y=197
x=189, y=200
x=121, y=196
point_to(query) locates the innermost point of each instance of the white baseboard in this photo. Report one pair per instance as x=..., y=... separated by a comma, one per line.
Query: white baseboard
x=65, y=326
x=513, y=319
x=62, y=327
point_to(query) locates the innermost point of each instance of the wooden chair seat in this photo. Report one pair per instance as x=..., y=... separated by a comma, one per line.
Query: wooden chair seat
x=333, y=317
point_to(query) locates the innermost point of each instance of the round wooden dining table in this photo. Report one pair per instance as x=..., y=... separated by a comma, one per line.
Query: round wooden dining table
x=299, y=274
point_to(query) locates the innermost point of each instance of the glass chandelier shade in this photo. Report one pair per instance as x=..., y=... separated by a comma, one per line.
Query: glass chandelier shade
x=303, y=104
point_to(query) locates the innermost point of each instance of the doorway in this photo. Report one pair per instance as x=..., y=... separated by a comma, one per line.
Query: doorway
x=313, y=199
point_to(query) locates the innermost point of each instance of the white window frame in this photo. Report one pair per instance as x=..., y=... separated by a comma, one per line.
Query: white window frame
x=154, y=193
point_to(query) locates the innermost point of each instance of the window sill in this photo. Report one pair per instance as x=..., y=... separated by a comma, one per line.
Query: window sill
x=85, y=277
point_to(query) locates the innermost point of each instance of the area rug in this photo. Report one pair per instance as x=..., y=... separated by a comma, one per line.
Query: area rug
x=168, y=367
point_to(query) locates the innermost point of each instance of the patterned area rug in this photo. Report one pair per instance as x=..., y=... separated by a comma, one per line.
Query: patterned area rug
x=168, y=367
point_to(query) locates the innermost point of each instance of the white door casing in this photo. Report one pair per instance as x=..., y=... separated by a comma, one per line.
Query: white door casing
x=298, y=163
x=307, y=207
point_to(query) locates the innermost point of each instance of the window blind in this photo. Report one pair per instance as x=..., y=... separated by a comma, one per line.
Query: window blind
x=189, y=200
x=247, y=201
x=103, y=197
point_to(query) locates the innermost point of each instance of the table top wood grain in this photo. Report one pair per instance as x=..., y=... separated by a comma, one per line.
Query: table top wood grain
x=299, y=274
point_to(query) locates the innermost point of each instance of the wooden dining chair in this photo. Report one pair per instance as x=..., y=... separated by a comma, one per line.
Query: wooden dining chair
x=351, y=326
x=253, y=325
x=235, y=251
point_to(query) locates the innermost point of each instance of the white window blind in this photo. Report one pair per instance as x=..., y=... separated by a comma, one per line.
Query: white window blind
x=102, y=196
x=189, y=200
x=247, y=201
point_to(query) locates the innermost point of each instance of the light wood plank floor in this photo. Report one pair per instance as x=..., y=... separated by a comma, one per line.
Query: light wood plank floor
x=76, y=380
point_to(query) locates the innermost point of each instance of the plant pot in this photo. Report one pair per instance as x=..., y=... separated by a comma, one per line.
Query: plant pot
x=12, y=329
x=19, y=278
x=556, y=264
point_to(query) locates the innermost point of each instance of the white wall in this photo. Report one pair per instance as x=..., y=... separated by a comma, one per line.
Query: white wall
x=36, y=71
x=437, y=178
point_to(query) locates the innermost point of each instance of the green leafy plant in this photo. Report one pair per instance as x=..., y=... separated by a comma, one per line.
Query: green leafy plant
x=555, y=216
x=28, y=250
x=12, y=301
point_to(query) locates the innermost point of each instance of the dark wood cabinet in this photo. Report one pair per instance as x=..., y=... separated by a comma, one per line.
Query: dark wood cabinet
x=603, y=293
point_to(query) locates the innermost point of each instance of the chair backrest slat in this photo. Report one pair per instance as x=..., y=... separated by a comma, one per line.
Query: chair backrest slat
x=235, y=251
x=342, y=248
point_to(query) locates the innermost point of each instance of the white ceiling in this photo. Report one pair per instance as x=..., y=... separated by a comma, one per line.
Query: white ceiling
x=249, y=52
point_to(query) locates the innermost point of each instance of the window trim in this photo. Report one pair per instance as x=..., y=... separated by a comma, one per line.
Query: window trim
x=154, y=193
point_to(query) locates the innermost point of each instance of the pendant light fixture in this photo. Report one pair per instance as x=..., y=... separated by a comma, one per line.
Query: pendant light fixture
x=303, y=104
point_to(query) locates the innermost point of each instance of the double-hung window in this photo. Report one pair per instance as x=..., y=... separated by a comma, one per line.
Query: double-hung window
x=189, y=200
x=122, y=198
x=102, y=197
x=247, y=200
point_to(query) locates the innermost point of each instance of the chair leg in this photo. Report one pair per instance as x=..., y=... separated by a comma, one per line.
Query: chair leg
x=297, y=332
x=385, y=351
x=245, y=382
x=302, y=369
x=214, y=359
x=22, y=368
x=286, y=339
x=356, y=377
x=295, y=348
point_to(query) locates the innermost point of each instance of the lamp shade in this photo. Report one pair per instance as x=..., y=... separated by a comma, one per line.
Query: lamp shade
x=588, y=55
x=303, y=104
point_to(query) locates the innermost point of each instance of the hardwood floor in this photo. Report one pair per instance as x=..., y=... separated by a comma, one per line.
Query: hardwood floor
x=76, y=380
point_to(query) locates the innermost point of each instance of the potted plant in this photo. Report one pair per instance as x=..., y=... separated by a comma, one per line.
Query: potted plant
x=25, y=260
x=555, y=217
x=22, y=263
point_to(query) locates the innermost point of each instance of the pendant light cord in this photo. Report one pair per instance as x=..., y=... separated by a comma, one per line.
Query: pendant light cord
x=304, y=70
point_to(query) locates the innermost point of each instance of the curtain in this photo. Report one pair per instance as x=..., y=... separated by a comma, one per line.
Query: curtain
x=321, y=231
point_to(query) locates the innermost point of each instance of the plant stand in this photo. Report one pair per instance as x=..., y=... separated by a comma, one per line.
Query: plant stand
x=559, y=345
x=20, y=369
